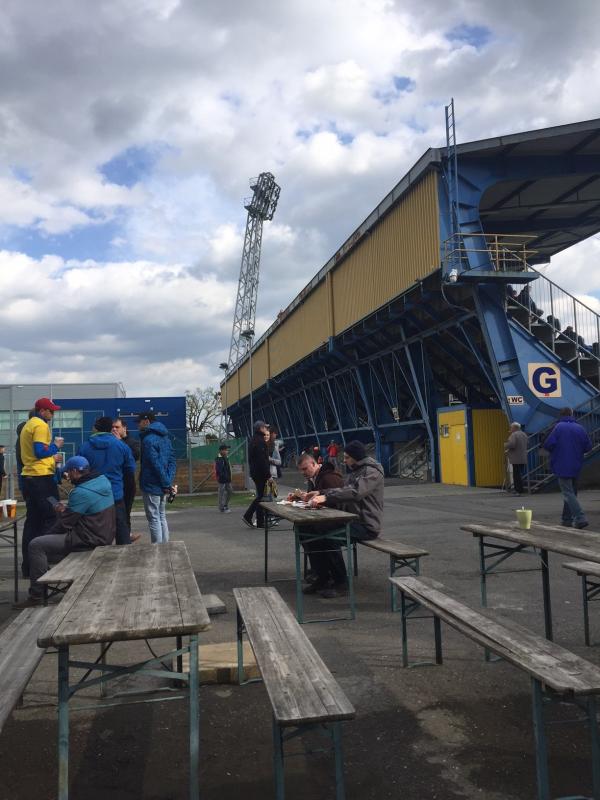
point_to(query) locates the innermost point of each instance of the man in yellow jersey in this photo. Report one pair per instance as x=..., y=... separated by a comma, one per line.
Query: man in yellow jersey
x=39, y=457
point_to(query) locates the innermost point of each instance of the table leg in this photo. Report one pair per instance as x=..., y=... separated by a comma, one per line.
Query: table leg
x=586, y=611
x=16, y=560
x=194, y=719
x=63, y=722
x=299, y=595
x=595, y=744
x=350, y=571
x=546, y=592
x=482, y=573
x=541, y=750
x=266, y=547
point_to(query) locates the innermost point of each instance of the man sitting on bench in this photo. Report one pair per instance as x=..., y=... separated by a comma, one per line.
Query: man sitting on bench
x=85, y=522
x=361, y=494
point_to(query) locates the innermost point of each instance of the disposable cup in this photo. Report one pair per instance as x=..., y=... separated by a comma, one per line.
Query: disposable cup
x=11, y=508
x=524, y=518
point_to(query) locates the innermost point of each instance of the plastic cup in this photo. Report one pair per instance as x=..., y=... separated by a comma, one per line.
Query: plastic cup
x=524, y=518
x=11, y=508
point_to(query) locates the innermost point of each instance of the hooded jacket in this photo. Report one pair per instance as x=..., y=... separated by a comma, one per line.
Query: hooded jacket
x=328, y=477
x=567, y=443
x=89, y=520
x=362, y=494
x=158, y=465
x=111, y=457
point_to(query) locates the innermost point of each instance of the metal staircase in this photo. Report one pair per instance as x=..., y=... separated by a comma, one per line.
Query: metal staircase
x=411, y=460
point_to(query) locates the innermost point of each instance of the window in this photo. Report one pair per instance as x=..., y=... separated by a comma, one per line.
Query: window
x=68, y=419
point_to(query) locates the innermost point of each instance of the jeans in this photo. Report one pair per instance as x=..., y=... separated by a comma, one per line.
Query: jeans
x=225, y=493
x=122, y=530
x=43, y=549
x=572, y=512
x=155, y=508
x=40, y=514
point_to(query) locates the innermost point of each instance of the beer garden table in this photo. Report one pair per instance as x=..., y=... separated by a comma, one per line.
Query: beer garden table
x=128, y=593
x=9, y=539
x=310, y=518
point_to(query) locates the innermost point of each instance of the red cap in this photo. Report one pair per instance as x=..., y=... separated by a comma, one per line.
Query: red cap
x=45, y=404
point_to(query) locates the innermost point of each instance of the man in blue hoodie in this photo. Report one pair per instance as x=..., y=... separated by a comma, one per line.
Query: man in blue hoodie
x=567, y=444
x=157, y=474
x=86, y=521
x=111, y=457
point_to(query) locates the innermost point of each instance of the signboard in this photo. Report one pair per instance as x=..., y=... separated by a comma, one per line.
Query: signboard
x=544, y=380
x=515, y=400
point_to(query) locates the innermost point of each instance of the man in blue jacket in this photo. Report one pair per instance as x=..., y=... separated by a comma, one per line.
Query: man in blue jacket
x=567, y=444
x=111, y=457
x=86, y=521
x=157, y=474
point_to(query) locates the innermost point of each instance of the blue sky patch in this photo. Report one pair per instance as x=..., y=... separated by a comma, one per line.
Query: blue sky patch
x=476, y=36
x=89, y=241
x=401, y=84
x=132, y=165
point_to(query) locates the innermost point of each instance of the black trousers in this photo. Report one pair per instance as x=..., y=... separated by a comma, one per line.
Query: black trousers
x=254, y=507
x=40, y=514
x=518, y=477
x=325, y=556
x=122, y=535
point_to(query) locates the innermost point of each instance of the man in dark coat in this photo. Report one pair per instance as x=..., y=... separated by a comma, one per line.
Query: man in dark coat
x=119, y=429
x=567, y=444
x=223, y=473
x=85, y=522
x=260, y=472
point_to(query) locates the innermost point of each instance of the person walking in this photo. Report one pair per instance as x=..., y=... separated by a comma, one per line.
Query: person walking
x=223, y=473
x=39, y=456
x=567, y=443
x=515, y=448
x=157, y=474
x=260, y=472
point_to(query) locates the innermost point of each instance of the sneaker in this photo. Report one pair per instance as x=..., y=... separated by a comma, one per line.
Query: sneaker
x=315, y=588
x=583, y=524
x=31, y=602
x=335, y=591
x=249, y=522
x=227, y=511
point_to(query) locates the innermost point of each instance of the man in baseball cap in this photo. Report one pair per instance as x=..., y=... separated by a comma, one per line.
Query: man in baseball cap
x=39, y=456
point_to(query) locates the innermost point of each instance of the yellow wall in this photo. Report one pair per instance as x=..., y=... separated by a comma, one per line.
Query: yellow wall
x=402, y=248
x=490, y=431
x=453, y=447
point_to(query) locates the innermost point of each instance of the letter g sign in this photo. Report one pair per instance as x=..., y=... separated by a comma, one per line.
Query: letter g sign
x=544, y=380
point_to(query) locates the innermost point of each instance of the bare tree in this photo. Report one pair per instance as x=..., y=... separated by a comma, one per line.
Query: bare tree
x=203, y=411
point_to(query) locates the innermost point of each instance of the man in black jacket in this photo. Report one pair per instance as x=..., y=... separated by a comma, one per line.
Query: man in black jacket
x=260, y=472
x=223, y=473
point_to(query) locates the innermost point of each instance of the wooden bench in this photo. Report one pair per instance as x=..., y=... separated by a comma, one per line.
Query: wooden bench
x=589, y=572
x=64, y=573
x=303, y=693
x=400, y=554
x=556, y=673
x=19, y=657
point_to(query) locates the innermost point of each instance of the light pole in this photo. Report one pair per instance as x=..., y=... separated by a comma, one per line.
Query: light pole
x=248, y=335
x=225, y=366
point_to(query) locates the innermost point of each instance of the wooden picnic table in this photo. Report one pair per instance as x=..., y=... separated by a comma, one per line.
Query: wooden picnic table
x=128, y=593
x=9, y=539
x=310, y=518
x=540, y=540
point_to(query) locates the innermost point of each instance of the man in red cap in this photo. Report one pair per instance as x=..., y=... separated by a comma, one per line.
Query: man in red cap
x=39, y=457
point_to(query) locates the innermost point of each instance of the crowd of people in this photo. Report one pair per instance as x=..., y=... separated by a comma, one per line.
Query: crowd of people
x=102, y=477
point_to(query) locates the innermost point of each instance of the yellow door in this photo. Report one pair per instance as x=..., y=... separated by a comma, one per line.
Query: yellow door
x=452, y=434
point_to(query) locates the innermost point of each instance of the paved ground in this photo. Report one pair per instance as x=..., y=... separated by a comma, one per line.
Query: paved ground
x=462, y=730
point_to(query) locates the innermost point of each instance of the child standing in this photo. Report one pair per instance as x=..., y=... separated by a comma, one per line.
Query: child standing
x=223, y=473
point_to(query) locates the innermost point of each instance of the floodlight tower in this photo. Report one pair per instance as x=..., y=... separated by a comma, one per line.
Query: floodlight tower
x=261, y=206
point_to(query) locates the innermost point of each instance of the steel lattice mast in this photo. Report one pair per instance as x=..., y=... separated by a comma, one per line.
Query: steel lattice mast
x=261, y=206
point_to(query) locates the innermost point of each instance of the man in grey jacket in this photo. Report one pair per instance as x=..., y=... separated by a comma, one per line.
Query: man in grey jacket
x=361, y=494
x=516, y=451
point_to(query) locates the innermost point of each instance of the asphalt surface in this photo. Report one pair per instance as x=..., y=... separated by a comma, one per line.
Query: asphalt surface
x=460, y=730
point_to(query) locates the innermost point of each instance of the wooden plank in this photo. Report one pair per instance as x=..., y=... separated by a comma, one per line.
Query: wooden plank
x=19, y=656
x=67, y=570
x=131, y=593
x=397, y=549
x=308, y=516
x=191, y=604
x=584, y=567
x=214, y=604
x=300, y=686
x=553, y=665
x=566, y=541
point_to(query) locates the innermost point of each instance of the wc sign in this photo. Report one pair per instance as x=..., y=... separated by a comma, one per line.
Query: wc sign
x=544, y=380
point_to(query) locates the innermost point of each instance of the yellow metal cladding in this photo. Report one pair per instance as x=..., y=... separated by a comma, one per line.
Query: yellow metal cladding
x=490, y=431
x=260, y=365
x=303, y=331
x=404, y=247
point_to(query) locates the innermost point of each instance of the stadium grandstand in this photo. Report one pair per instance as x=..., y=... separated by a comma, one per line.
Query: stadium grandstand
x=432, y=327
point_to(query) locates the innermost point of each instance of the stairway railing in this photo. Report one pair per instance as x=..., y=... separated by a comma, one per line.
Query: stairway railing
x=411, y=461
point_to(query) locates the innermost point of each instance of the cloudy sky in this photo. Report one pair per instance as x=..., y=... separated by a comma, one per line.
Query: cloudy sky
x=129, y=130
